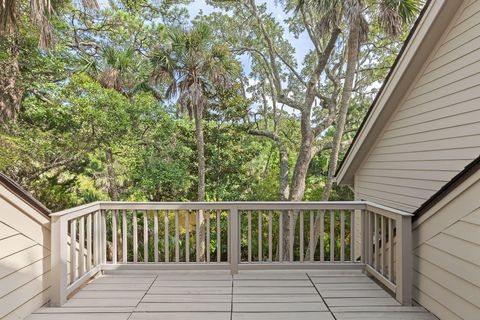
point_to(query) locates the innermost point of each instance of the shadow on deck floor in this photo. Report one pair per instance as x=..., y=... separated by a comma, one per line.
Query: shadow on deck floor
x=249, y=295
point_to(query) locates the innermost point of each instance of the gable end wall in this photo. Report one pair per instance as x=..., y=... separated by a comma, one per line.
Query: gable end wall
x=435, y=131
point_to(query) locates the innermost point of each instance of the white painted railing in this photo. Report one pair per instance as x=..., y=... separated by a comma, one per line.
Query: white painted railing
x=233, y=235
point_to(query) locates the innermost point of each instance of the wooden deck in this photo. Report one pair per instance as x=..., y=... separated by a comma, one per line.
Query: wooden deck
x=249, y=295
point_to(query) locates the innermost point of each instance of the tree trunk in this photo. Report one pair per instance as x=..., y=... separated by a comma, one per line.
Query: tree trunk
x=10, y=91
x=298, y=180
x=352, y=57
x=303, y=159
x=284, y=188
x=201, y=177
x=112, y=185
x=352, y=60
x=284, y=194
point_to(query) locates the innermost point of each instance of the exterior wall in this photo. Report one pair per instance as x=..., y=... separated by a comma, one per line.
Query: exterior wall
x=24, y=257
x=446, y=254
x=435, y=131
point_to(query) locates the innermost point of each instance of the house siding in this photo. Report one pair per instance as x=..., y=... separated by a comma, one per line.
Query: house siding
x=446, y=254
x=435, y=131
x=24, y=258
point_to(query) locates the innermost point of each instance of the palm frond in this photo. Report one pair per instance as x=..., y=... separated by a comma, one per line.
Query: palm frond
x=90, y=4
x=394, y=14
x=353, y=9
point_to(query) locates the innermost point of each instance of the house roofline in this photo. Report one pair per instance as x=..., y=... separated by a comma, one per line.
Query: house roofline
x=16, y=189
x=451, y=185
x=440, y=13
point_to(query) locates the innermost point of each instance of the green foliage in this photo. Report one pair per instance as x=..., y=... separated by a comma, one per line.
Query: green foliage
x=114, y=80
x=103, y=110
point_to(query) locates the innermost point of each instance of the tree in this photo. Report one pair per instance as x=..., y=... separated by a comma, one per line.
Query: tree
x=320, y=91
x=392, y=16
x=194, y=65
x=13, y=17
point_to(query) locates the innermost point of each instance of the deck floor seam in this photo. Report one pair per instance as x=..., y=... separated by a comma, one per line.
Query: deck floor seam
x=318, y=291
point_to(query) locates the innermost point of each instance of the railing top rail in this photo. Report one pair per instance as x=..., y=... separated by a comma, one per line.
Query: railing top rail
x=238, y=205
x=378, y=207
x=85, y=208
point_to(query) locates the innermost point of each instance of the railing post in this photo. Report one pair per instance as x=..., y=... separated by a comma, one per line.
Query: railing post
x=404, y=260
x=59, y=261
x=234, y=240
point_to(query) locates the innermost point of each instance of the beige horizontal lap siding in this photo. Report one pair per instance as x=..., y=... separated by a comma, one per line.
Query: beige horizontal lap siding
x=24, y=257
x=435, y=131
x=446, y=254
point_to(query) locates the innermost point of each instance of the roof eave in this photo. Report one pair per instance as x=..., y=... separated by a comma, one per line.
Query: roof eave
x=16, y=189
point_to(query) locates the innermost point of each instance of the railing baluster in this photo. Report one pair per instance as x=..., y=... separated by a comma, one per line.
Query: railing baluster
x=177, y=238
x=145, y=236
x=322, y=235
x=249, y=235
x=135, y=237
x=383, y=243
x=280, y=237
x=291, y=236
x=73, y=250
x=332, y=235
x=114, y=236
x=377, y=242
x=96, y=238
x=207, y=242
x=342, y=236
x=155, y=236
x=370, y=237
x=81, y=246
x=124, y=237
x=301, y=235
x=270, y=231
x=167, y=238
x=390, y=250
x=187, y=237
x=352, y=235
x=197, y=236
x=260, y=236
x=312, y=235
x=89, y=242
x=229, y=237
x=103, y=217
x=219, y=239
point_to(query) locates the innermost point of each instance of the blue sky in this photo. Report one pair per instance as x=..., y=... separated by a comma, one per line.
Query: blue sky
x=302, y=45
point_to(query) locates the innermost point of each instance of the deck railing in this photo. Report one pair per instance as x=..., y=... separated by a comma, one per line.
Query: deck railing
x=230, y=235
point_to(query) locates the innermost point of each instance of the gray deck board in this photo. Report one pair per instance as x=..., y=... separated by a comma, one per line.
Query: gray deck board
x=185, y=307
x=180, y=316
x=283, y=316
x=249, y=295
x=279, y=307
x=188, y=298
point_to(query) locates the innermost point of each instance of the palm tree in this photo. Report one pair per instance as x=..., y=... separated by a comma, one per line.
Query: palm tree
x=11, y=16
x=193, y=66
x=354, y=15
